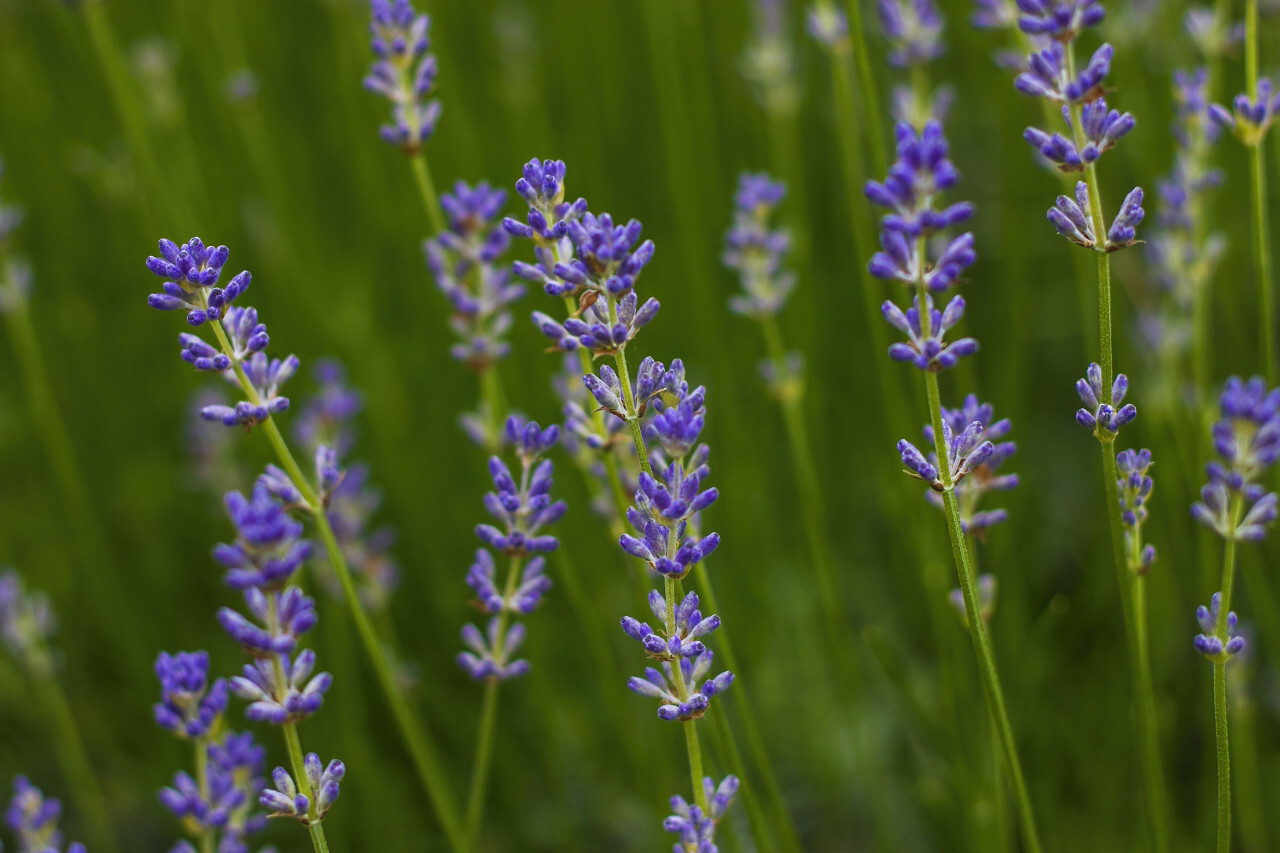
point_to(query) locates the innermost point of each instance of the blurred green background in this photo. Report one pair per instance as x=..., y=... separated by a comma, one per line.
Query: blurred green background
x=116, y=136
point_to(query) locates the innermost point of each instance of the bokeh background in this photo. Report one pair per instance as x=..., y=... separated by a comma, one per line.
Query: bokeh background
x=121, y=124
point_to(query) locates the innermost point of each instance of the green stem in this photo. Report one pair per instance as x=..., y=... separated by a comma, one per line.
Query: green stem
x=870, y=97
x=1224, y=755
x=427, y=189
x=314, y=826
x=492, y=396
x=489, y=715
x=79, y=773
x=1262, y=256
x=422, y=750
x=977, y=627
x=682, y=691
x=202, y=780
x=633, y=419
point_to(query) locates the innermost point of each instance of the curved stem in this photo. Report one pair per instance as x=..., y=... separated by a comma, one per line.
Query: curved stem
x=314, y=826
x=427, y=189
x=1157, y=797
x=1224, y=755
x=977, y=627
x=421, y=749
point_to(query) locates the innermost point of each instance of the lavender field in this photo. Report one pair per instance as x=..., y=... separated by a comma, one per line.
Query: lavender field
x=906, y=481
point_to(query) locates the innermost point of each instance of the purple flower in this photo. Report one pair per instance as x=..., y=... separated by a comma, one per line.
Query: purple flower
x=189, y=705
x=1247, y=438
x=698, y=689
x=404, y=72
x=34, y=819
x=1102, y=129
x=289, y=799
x=281, y=618
x=921, y=172
x=542, y=186
x=755, y=252
x=1072, y=217
x=981, y=476
x=1124, y=228
x=1249, y=118
x=695, y=830
x=524, y=599
x=233, y=777
x=967, y=450
x=288, y=695
x=1060, y=19
x=1135, y=485
x=26, y=621
x=1103, y=413
x=490, y=655
x=191, y=272
x=913, y=29
x=463, y=261
x=522, y=509
x=1046, y=75
x=1219, y=641
x=661, y=515
x=266, y=375
x=928, y=351
x=326, y=416
x=269, y=546
x=684, y=641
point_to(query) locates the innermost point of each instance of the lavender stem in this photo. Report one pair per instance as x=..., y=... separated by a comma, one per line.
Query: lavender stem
x=427, y=189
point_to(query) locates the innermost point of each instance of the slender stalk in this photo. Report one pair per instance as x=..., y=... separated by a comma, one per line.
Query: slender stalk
x=1262, y=257
x=870, y=98
x=314, y=826
x=492, y=397
x=1224, y=755
x=79, y=773
x=202, y=780
x=427, y=189
x=489, y=715
x=1157, y=796
x=421, y=749
x=977, y=628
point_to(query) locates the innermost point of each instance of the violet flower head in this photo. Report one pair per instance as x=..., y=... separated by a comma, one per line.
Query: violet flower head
x=266, y=375
x=220, y=804
x=276, y=620
x=691, y=702
x=828, y=26
x=1135, y=485
x=190, y=706
x=1103, y=414
x=913, y=29
x=921, y=172
x=1233, y=503
x=33, y=817
x=1218, y=640
x=549, y=215
x=683, y=639
x=464, y=261
x=1061, y=20
x=289, y=798
x=968, y=450
x=980, y=477
x=269, y=546
x=755, y=252
x=693, y=828
x=532, y=584
x=287, y=695
x=326, y=417
x=491, y=654
x=1047, y=75
x=404, y=72
x=191, y=272
x=523, y=508
x=26, y=623
x=1249, y=118
x=1102, y=128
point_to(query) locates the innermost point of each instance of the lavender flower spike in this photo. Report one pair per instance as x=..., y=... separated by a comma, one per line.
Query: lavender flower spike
x=1247, y=438
x=491, y=654
x=913, y=29
x=1135, y=485
x=34, y=819
x=698, y=689
x=191, y=273
x=1250, y=119
x=288, y=695
x=269, y=546
x=1100, y=415
x=288, y=799
x=982, y=472
x=404, y=72
x=695, y=829
x=1219, y=641
x=189, y=705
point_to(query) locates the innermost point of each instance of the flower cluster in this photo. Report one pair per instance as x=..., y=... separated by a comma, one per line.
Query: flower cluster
x=1093, y=127
x=404, y=72
x=26, y=623
x=463, y=259
x=755, y=252
x=268, y=550
x=288, y=799
x=982, y=476
x=584, y=257
x=1218, y=640
x=1135, y=485
x=219, y=806
x=1249, y=118
x=910, y=192
x=966, y=451
x=694, y=828
x=1247, y=438
x=33, y=817
x=913, y=29
x=522, y=508
x=191, y=273
x=1103, y=414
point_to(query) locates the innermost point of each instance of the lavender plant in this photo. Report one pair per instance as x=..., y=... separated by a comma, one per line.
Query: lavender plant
x=1248, y=121
x=463, y=258
x=1239, y=509
x=911, y=193
x=216, y=806
x=27, y=622
x=33, y=818
x=522, y=507
x=404, y=72
x=913, y=30
x=191, y=273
